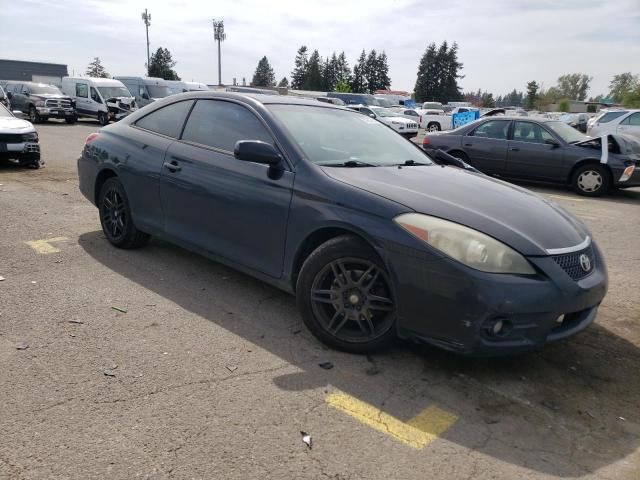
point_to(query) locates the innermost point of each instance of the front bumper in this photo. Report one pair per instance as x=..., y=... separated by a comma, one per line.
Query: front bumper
x=622, y=181
x=447, y=304
x=25, y=151
x=46, y=112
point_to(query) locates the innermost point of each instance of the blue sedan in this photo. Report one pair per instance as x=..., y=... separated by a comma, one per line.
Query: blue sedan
x=374, y=238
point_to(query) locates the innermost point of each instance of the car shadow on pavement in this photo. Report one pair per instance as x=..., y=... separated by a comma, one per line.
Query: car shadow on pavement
x=568, y=410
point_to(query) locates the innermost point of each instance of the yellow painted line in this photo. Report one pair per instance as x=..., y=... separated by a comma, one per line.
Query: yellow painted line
x=417, y=433
x=562, y=197
x=44, y=246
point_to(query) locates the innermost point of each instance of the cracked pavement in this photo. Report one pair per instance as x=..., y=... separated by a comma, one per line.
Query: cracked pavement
x=211, y=374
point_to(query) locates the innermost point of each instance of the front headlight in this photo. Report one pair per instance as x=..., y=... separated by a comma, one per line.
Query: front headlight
x=40, y=103
x=396, y=123
x=30, y=137
x=468, y=246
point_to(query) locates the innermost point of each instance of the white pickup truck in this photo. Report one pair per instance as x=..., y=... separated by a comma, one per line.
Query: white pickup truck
x=435, y=120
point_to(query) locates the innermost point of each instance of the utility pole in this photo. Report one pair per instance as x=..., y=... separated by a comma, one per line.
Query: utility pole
x=219, y=36
x=146, y=18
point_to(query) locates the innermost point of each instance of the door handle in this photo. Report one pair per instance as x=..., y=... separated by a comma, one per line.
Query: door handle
x=514, y=149
x=172, y=166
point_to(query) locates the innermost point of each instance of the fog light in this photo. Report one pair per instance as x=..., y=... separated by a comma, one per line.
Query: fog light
x=497, y=327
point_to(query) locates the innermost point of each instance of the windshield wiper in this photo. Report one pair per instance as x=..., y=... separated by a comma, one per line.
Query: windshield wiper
x=348, y=164
x=409, y=163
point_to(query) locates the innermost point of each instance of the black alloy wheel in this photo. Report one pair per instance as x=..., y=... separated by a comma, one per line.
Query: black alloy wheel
x=115, y=216
x=346, y=297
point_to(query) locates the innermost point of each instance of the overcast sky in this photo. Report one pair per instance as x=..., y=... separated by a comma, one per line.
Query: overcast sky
x=503, y=43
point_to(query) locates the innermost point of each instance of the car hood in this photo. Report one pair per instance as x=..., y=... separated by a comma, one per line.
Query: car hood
x=628, y=145
x=518, y=217
x=15, y=125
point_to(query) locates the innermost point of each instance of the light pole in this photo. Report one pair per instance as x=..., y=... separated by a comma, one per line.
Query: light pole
x=146, y=18
x=219, y=36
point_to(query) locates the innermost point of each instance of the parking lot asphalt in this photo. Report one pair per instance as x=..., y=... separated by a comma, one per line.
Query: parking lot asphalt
x=157, y=363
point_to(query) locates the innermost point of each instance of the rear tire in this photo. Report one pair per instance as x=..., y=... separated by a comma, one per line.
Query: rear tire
x=591, y=180
x=345, y=296
x=433, y=127
x=115, y=217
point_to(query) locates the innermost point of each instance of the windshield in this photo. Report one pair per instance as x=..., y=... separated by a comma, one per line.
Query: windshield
x=111, y=92
x=566, y=132
x=330, y=136
x=158, y=91
x=45, y=89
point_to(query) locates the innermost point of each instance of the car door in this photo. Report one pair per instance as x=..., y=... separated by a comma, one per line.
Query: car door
x=486, y=146
x=630, y=125
x=82, y=99
x=232, y=208
x=140, y=162
x=95, y=102
x=535, y=153
x=22, y=97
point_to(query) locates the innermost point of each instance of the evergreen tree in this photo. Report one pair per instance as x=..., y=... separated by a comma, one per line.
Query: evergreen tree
x=96, y=70
x=264, y=75
x=532, y=93
x=313, y=79
x=161, y=65
x=343, y=87
x=284, y=83
x=343, y=70
x=299, y=74
x=330, y=73
x=358, y=80
x=487, y=100
x=371, y=71
x=384, y=82
x=426, y=82
x=451, y=68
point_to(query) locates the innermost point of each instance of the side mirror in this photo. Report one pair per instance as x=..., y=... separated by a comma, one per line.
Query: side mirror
x=27, y=94
x=256, y=151
x=9, y=95
x=553, y=143
x=372, y=115
x=145, y=96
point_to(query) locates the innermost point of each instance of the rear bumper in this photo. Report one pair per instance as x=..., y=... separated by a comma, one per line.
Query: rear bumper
x=447, y=304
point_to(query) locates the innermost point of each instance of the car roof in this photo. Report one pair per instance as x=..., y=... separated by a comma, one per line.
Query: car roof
x=265, y=99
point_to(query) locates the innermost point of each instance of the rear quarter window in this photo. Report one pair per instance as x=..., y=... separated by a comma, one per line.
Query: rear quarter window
x=166, y=120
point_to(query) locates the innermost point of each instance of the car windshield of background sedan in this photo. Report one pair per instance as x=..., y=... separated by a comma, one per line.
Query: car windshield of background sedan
x=384, y=112
x=333, y=137
x=566, y=132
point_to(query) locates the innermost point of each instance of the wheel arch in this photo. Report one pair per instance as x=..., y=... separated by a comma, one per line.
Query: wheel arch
x=104, y=175
x=319, y=236
x=588, y=161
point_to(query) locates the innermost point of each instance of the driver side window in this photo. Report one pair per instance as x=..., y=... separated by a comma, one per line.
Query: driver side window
x=94, y=96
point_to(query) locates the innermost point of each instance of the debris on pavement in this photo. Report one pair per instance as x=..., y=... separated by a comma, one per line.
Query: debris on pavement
x=22, y=345
x=295, y=332
x=79, y=322
x=306, y=438
x=232, y=368
x=118, y=309
x=373, y=368
x=109, y=372
x=326, y=365
x=2, y=278
x=622, y=419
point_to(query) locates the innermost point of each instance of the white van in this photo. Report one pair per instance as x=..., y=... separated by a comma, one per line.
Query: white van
x=146, y=89
x=178, y=86
x=102, y=98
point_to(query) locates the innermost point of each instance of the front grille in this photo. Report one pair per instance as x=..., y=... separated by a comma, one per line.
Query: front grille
x=573, y=263
x=57, y=103
x=412, y=125
x=10, y=138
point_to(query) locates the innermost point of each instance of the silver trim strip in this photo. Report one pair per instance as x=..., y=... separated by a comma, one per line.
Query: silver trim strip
x=575, y=248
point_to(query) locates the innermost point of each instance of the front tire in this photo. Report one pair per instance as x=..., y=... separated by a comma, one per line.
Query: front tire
x=591, y=180
x=345, y=296
x=33, y=115
x=103, y=118
x=71, y=120
x=115, y=217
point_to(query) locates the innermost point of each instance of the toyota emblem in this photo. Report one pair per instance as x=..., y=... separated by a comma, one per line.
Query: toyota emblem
x=585, y=263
